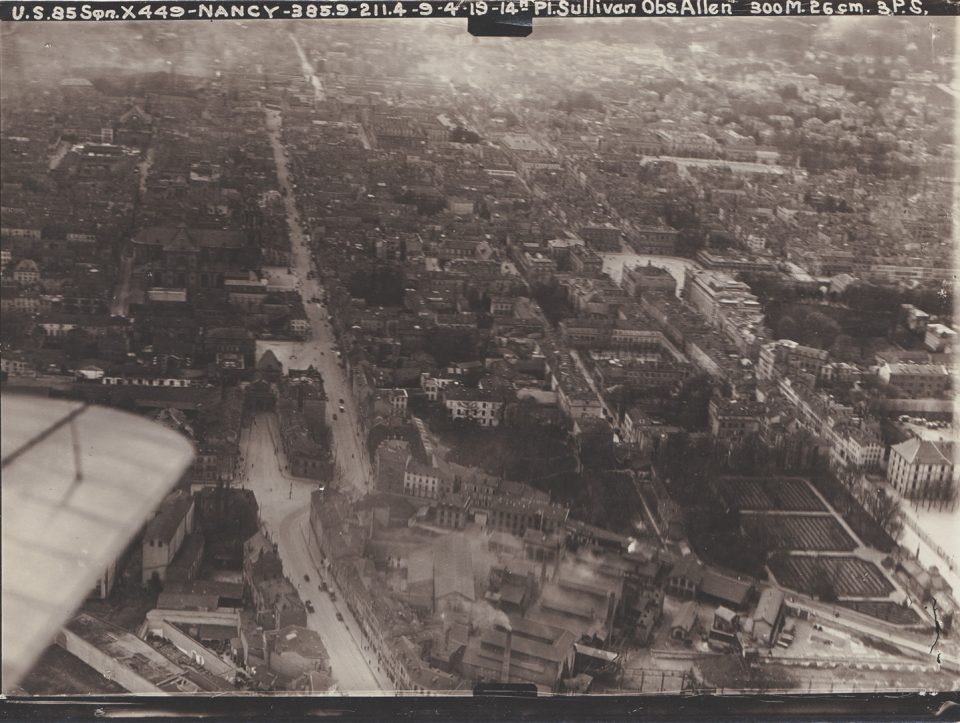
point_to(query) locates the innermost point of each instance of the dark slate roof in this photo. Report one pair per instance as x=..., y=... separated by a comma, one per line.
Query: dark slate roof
x=167, y=520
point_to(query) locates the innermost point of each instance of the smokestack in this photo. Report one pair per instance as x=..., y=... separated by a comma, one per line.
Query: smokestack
x=505, y=671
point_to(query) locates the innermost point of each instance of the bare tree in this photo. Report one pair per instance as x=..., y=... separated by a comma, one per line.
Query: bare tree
x=885, y=509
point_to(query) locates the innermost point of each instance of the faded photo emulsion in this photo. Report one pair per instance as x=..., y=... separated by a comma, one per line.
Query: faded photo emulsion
x=374, y=358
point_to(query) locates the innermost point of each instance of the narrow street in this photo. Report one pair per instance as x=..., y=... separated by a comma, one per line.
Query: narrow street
x=63, y=148
x=120, y=305
x=320, y=350
x=588, y=377
x=308, y=70
x=284, y=500
x=143, y=169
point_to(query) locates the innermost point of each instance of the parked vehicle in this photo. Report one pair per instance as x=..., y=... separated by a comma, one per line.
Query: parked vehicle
x=307, y=578
x=309, y=606
x=340, y=617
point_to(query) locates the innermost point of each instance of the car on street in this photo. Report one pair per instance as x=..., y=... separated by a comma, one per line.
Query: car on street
x=333, y=596
x=307, y=578
x=309, y=606
x=334, y=417
x=340, y=617
x=342, y=409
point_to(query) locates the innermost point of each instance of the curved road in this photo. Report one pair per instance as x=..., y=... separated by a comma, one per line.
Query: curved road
x=284, y=504
x=284, y=501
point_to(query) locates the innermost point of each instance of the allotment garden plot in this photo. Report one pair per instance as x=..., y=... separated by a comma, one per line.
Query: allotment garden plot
x=799, y=532
x=811, y=548
x=848, y=576
x=789, y=494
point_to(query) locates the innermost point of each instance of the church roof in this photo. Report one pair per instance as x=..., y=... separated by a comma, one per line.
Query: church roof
x=181, y=238
x=135, y=113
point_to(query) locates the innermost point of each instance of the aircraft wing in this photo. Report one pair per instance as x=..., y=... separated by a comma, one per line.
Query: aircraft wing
x=78, y=483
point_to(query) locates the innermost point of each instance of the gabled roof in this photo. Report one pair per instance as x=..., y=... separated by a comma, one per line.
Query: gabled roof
x=725, y=614
x=187, y=601
x=922, y=451
x=168, y=518
x=179, y=240
x=426, y=470
x=453, y=568
x=725, y=588
x=686, y=617
x=420, y=566
x=269, y=362
x=536, y=641
x=769, y=606
x=297, y=639
x=174, y=238
x=135, y=112
x=229, y=333
x=689, y=567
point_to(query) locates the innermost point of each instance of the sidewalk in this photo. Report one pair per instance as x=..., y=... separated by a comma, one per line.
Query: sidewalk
x=362, y=642
x=943, y=653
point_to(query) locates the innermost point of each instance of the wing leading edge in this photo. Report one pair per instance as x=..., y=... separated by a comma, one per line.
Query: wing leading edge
x=78, y=483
